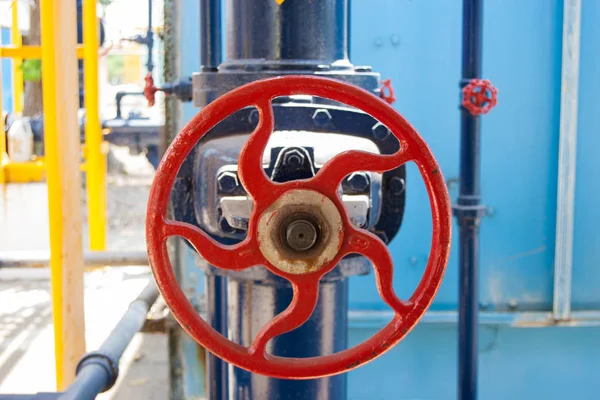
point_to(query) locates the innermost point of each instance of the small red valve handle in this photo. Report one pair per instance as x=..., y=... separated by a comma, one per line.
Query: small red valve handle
x=268, y=197
x=479, y=96
x=150, y=90
x=386, y=92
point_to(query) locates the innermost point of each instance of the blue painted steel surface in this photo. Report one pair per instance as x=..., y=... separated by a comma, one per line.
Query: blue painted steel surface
x=586, y=251
x=418, y=45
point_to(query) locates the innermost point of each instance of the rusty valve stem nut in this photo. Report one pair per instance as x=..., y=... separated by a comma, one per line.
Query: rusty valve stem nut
x=301, y=235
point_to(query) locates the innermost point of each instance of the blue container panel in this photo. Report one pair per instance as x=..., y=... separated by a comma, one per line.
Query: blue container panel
x=586, y=246
x=527, y=363
x=417, y=45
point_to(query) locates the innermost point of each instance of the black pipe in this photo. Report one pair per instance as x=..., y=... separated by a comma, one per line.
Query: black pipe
x=119, y=98
x=468, y=209
x=210, y=35
x=98, y=371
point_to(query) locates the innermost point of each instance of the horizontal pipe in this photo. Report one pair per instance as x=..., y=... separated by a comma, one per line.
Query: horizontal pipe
x=20, y=259
x=98, y=371
x=29, y=52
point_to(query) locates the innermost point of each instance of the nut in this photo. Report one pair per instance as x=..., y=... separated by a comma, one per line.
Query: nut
x=227, y=181
x=397, y=185
x=380, y=131
x=253, y=117
x=321, y=116
x=293, y=158
x=358, y=181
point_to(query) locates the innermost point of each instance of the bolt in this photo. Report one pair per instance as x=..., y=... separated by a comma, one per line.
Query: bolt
x=224, y=226
x=395, y=39
x=293, y=158
x=380, y=131
x=227, y=181
x=301, y=235
x=397, y=185
x=321, y=116
x=413, y=260
x=253, y=117
x=358, y=181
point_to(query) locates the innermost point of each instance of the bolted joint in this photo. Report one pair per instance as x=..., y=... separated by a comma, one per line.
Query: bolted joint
x=469, y=216
x=227, y=181
x=321, y=117
x=293, y=158
x=358, y=181
x=380, y=131
x=397, y=185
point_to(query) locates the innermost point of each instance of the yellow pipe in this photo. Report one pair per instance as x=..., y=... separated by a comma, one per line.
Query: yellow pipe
x=95, y=160
x=28, y=52
x=62, y=148
x=17, y=40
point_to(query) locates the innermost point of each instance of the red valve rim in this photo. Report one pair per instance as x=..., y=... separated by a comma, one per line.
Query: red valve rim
x=314, y=367
x=473, y=100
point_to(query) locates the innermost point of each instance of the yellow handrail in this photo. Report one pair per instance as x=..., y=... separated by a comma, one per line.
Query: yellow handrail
x=95, y=160
x=62, y=149
x=28, y=52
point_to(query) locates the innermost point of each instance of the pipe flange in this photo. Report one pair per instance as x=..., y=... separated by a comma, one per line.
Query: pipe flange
x=106, y=362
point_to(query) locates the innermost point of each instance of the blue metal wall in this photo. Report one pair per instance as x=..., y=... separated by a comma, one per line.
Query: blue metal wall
x=417, y=44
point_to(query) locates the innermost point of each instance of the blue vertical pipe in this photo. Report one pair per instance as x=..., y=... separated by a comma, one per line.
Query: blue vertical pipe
x=468, y=209
x=210, y=35
x=216, y=286
x=216, y=302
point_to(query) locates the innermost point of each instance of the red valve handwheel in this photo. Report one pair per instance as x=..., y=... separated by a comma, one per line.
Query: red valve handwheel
x=479, y=96
x=150, y=90
x=386, y=91
x=268, y=196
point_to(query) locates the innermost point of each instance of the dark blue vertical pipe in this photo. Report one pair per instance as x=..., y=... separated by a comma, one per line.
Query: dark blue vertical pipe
x=210, y=35
x=468, y=209
x=216, y=304
x=216, y=286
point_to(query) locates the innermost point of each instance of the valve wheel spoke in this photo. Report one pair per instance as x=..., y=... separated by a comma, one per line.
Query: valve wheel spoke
x=362, y=242
x=250, y=170
x=335, y=170
x=304, y=301
x=235, y=258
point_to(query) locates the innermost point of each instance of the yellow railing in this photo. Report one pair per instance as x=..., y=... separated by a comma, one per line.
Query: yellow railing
x=62, y=165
